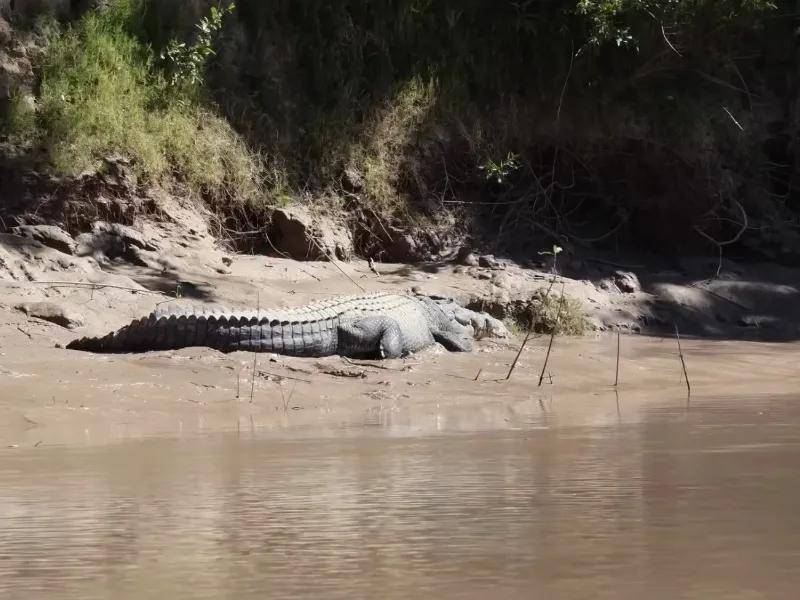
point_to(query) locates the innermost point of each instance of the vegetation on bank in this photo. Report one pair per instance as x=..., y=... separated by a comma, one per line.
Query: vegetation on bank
x=586, y=122
x=102, y=91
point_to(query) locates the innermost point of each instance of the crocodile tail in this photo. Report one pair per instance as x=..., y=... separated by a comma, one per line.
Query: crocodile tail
x=126, y=339
x=221, y=332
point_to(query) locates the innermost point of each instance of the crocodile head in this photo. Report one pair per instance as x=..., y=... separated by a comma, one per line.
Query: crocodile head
x=477, y=324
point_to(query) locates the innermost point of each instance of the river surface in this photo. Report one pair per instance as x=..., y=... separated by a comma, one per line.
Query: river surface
x=686, y=500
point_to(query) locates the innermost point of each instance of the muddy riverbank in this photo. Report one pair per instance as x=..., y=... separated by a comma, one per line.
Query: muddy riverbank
x=51, y=292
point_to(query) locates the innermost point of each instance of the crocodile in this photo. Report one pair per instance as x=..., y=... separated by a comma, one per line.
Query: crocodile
x=374, y=325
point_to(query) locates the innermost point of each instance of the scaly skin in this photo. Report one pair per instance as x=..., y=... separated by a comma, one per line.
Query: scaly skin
x=369, y=325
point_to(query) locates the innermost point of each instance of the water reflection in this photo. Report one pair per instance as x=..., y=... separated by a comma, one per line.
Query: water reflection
x=676, y=504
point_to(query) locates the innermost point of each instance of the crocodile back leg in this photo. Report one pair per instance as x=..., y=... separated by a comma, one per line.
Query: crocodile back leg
x=371, y=336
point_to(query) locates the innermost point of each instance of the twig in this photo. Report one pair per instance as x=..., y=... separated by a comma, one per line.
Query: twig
x=378, y=366
x=286, y=400
x=552, y=336
x=478, y=374
x=664, y=33
x=271, y=245
x=720, y=296
x=683, y=362
x=278, y=376
x=309, y=274
x=336, y=264
x=97, y=286
x=613, y=264
x=566, y=81
x=519, y=353
x=735, y=122
x=30, y=337
x=616, y=378
x=734, y=239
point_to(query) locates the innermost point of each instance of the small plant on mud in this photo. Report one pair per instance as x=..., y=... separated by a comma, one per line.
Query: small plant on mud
x=186, y=63
x=554, y=253
x=561, y=314
x=545, y=312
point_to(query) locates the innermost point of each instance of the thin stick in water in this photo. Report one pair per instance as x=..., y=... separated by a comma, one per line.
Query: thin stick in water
x=616, y=378
x=519, y=353
x=683, y=362
x=552, y=336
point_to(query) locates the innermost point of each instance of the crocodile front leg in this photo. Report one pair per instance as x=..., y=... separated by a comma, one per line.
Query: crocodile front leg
x=371, y=336
x=481, y=323
x=453, y=341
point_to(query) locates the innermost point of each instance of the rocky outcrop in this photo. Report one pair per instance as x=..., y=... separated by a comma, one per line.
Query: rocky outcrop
x=52, y=312
x=48, y=235
x=303, y=235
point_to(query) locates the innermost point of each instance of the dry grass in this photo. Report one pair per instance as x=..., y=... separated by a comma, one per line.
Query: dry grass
x=544, y=313
x=383, y=153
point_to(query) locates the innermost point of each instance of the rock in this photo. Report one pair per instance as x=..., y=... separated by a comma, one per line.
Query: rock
x=52, y=312
x=139, y=257
x=49, y=235
x=227, y=261
x=113, y=240
x=467, y=257
x=502, y=280
x=488, y=261
x=99, y=245
x=303, y=236
x=607, y=285
x=627, y=282
x=128, y=235
x=403, y=248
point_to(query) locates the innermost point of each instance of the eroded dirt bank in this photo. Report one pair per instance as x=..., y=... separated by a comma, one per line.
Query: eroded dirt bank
x=49, y=395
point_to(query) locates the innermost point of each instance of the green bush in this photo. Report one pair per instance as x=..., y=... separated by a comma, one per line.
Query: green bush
x=102, y=93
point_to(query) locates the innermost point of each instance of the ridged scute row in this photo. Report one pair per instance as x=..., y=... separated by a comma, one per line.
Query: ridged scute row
x=379, y=302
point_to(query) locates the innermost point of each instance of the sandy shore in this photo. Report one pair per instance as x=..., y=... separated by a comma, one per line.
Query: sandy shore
x=49, y=395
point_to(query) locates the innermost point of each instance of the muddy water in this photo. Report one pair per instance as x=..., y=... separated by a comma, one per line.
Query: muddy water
x=683, y=501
